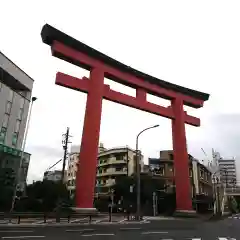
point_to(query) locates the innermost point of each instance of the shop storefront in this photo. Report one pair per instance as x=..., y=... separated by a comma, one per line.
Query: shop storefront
x=10, y=158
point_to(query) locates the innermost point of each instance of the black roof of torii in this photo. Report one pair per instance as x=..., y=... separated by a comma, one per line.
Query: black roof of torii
x=49, y=34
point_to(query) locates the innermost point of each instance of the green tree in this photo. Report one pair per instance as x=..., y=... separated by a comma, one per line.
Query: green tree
x=125, y=190
x=7, y=183
x=43, y=196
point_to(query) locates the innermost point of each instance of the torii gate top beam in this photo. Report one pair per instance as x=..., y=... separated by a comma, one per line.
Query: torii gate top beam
x=58, y=40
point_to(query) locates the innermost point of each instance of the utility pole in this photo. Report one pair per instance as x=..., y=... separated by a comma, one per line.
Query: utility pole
x=65, y=147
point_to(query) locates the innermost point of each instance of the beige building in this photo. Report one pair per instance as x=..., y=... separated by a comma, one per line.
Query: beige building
x=72, y=168
x=199, y=175
x=112, y=163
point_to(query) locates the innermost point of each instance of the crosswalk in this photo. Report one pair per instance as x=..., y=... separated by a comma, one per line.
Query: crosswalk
x=219, y=238
x=200, y=238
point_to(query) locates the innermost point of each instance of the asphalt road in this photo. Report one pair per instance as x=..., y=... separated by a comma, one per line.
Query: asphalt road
x=161, y=230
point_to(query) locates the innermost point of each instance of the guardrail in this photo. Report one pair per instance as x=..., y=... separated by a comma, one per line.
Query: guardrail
x=46, y=216
x=57, y=216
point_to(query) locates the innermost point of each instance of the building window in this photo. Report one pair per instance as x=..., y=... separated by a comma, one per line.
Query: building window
x=120, y=157
x=171, y=156
x=10, y=97
x=17, y=126
x=3, y=135
x=159, y=170
x=22, y=102
x=118, y=169
x=20, y=114
x=14, y=139
x=206, y=176
x=8, y=107
x=190, y=172
x=5, y=120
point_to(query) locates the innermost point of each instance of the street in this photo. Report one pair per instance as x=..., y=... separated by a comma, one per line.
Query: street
x=161, y=229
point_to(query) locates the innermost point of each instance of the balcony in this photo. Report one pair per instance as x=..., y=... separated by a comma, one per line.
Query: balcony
x=112, y=161
x=112, y=172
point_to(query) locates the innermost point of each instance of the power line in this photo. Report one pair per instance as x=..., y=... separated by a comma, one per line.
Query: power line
x=54, y=165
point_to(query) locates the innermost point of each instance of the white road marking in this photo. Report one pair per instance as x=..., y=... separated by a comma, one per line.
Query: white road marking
x=42, y=221
x=16, y=231
x=224, y=238
x=3, y=221
x=153, y=233
x=79, y=230
x=98, y=234
x=130, y=228
x=123, y=220
x=98, y=221
x=78, y=220
x=22, y=237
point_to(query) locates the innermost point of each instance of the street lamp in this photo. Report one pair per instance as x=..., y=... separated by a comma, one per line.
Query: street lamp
x=138, y=172
x=17, y=185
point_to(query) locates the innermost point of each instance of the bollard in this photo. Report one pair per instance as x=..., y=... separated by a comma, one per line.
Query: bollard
x=18, y=219
x=90, y=218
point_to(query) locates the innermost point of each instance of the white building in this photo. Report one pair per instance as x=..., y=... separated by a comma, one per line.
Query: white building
x=53, y=175
x=224, y=169
x=72, y=168
x=228, y=171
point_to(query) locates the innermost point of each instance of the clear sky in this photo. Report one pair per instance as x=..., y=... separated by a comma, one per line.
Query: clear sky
x=195, y=44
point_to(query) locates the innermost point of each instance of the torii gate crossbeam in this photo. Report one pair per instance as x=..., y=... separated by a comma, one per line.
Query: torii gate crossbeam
x=100, y=66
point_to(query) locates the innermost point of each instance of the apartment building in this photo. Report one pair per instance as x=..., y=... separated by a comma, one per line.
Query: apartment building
x=112, y=163
x=228, y=173
x=15, y=94
x=199, y=175
x=72, y=169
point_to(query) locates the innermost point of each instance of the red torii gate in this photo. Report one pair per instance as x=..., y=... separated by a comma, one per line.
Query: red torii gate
x=100, y=66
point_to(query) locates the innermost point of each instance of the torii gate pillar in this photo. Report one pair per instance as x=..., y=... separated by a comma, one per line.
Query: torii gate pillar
x=100, y=66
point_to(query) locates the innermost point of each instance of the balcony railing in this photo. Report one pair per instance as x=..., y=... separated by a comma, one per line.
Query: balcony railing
x=111, y=161
x=112, y=172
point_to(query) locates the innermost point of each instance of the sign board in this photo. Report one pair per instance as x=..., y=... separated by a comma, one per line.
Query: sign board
x=12, y=151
